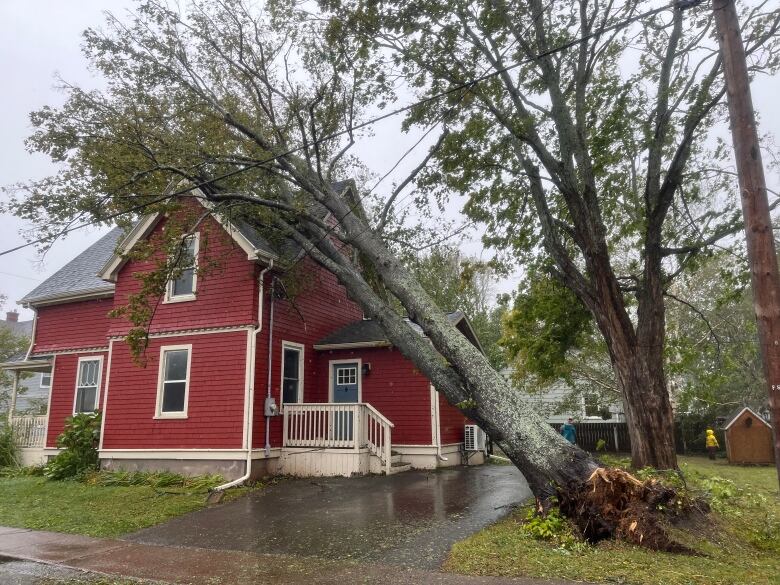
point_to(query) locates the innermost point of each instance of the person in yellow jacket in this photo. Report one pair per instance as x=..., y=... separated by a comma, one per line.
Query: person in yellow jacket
x=712, y=443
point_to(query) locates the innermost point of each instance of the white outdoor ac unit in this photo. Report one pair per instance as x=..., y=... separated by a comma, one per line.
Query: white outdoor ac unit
x=474, y=438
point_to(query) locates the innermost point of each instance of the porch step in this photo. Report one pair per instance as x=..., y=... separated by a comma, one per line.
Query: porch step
x=398, y=467
x=395, y=457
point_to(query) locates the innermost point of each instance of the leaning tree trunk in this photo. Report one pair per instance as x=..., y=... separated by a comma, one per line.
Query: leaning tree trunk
x=453, y=364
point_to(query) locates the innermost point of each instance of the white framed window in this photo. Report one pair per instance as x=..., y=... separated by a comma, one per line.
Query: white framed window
x=173, y=385
x=183, y=287
x=292, y=372
x=45, y=380
x=88, y=374
x=346, y=375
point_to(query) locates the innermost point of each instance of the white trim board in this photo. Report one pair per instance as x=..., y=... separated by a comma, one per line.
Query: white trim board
x=186, y=332
x=188, y=454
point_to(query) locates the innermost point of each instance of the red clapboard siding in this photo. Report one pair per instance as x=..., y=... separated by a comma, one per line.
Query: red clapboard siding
x=215, y=410
x=394, y=387
x=82, y=324
x=226, y=289
x=319, y=307
x=63, y=391
x=451, y=422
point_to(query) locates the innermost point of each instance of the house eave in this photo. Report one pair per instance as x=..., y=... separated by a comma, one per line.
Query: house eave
x=355, y=345
x=96, y=293
x=29, y=365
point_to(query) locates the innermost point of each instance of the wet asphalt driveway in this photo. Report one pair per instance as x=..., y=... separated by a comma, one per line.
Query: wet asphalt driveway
x=409, y=519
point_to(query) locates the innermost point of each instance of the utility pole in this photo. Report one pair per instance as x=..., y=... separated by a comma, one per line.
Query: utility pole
x=755, y=205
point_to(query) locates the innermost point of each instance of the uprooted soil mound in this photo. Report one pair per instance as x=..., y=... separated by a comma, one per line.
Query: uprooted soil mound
x=612, y=503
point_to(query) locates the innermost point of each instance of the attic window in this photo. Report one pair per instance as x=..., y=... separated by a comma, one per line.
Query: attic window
x=182, y=288
x=748, y=422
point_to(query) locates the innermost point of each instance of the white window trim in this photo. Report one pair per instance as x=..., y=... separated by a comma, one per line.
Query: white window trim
x=158, y=414
x=299, y=347
x=91, y=358
x=169, y=297
x=359, y=362
x=41, y=384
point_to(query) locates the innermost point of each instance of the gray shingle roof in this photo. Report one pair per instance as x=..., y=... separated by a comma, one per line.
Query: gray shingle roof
x=79, y=276
x=368, y=331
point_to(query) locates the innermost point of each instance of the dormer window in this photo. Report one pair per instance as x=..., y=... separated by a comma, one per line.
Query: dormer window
x=182, y=288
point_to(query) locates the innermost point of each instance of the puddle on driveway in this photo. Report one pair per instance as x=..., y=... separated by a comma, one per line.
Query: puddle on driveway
x=410, y=519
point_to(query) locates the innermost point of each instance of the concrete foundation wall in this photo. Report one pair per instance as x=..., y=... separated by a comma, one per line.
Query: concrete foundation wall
x=230, y=470
x=31, y=456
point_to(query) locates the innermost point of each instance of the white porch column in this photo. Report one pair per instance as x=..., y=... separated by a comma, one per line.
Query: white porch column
x=14, y=389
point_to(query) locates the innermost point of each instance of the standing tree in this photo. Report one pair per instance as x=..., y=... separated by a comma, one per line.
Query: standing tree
x=583, y=126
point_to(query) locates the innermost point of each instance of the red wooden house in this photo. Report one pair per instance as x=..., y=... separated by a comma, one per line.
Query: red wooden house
x=240, y=376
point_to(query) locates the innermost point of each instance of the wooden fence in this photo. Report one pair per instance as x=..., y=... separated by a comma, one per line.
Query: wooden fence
x=614, y=434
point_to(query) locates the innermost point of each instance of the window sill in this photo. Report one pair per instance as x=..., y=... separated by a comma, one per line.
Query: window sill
x=179, y=299
x=171, y=415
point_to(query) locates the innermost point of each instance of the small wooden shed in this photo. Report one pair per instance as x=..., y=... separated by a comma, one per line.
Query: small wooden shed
x=749, y=439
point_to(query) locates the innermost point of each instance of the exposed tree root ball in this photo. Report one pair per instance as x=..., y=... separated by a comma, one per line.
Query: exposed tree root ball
x=612, y=503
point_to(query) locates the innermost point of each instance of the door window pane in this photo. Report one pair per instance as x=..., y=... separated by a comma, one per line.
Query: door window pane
x=346, y=376
x=291, y=374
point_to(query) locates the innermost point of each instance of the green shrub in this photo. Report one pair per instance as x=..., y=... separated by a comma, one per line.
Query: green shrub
x=79, y=442
x=9, y=449
x=552, y=527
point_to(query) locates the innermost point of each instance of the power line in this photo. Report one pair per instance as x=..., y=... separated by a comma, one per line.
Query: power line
x=457, y=88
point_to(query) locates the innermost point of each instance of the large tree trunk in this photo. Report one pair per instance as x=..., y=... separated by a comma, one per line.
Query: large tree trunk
x=648, y=409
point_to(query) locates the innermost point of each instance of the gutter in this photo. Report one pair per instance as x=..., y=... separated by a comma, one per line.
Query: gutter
x=250, y=389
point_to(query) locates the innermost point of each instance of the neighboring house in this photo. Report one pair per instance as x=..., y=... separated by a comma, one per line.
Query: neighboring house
x=32, y=391
x=238, y=373
x=557, y=403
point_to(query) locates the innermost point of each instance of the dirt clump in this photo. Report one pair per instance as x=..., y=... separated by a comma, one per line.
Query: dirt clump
x=612, y=503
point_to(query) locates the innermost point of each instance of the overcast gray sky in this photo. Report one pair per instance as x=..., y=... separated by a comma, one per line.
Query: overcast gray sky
x=42, y=38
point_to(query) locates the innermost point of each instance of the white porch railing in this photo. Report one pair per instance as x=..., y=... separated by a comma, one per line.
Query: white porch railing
x=338, y=426
x=30, y=430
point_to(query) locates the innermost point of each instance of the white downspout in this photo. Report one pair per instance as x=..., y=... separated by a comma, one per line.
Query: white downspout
x=439, y=456
x=250, y=390
x=32, y=335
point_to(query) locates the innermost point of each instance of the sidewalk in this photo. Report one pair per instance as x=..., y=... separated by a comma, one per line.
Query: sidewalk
x=198, y=566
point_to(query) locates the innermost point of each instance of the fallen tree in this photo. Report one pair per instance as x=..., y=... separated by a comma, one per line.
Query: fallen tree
x=258, y=119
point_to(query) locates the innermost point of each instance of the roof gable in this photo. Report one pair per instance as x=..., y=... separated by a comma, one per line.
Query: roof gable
x=740, y=413
x=243, y=234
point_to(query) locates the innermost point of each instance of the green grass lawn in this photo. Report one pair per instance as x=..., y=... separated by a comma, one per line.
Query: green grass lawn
x=94, y=510
x=739, y=545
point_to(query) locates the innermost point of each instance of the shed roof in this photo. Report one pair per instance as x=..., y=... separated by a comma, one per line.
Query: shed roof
x=739, y=414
